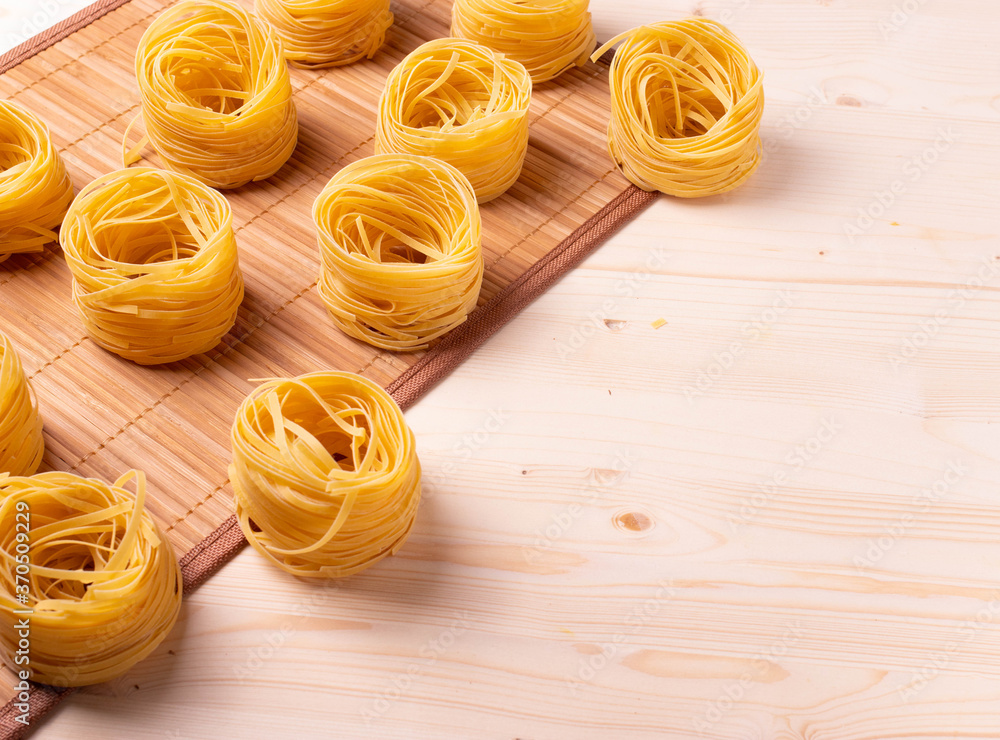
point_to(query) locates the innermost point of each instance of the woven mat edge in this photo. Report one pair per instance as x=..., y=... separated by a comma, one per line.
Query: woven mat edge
x=218, y=548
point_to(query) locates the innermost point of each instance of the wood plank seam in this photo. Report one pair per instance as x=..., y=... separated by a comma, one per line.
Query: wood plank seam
x=541, y=254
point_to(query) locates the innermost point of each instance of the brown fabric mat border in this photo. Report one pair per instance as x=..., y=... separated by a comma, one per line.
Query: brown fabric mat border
x=42, y=41
x=225, y=542
x=62, y=29
x=484, y=322
x=41, y=701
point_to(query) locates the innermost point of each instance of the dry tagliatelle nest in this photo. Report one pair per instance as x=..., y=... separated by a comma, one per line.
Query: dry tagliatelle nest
x=35, y=190
x=462, y=103
x=156, y=276
x=96, y=573
x=216, y=95
x=21, y=442
x=325, y=473
x=687, y=100
x=327, y=33
x=401, y=242
x=547, y=36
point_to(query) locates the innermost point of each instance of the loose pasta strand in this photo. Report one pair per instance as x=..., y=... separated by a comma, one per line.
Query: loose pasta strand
x=687, y=101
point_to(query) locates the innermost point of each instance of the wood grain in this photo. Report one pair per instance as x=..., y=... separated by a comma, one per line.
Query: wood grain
x=627, y=532
x=172, y=421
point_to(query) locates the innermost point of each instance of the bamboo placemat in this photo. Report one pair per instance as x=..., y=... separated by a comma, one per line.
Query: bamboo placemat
x=104, y=415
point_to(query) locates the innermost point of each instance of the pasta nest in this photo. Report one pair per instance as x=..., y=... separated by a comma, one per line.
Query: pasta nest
x=687, y=101
x=462, y=103
x=547, y=36
x=401, y=242
x=156, y=276
x=216, y=95
x=21, y=442
x=325, y=473
x=35, y=189
x=327, y=33
x=96, y=573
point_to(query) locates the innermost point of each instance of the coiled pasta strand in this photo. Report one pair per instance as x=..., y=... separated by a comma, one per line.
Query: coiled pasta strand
x=97, y=576
x=325, y=473
x=216, y=95
x=462, y=103
x=687, y=101
x=35, y=189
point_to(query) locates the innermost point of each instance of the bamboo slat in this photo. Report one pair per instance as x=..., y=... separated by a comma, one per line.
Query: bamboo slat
x=104, y=415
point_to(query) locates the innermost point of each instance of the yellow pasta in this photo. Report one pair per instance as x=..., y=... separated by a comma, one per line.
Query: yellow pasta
x=216, y=95
x=687, y=100
x=89, y=584
x=325, y=473
x=401, y=242
x=156, y=276
x=547, y=36
x=35, y=190
x=462, y=103
x=327, y=33
x=21, y=442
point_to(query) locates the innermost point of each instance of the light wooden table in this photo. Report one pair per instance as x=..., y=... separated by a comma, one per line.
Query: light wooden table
x=777, y=516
